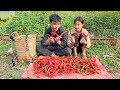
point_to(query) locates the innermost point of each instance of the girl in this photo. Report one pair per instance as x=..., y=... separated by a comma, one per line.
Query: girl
x=78, y=38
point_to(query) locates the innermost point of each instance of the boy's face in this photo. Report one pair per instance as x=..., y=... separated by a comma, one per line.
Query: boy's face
x=78, y=26
x=55, y=26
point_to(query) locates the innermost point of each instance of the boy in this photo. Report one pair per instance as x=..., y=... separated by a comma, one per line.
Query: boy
x=54, y=43
x=78, y=38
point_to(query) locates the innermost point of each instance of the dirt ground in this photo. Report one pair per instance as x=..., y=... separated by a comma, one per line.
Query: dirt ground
x=115, y=73
x=9, y=72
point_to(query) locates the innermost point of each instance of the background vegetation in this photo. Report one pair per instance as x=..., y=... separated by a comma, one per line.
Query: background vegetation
x=103, y=24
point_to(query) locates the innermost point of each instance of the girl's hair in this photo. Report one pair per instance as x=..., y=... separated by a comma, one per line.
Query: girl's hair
x=80, y=19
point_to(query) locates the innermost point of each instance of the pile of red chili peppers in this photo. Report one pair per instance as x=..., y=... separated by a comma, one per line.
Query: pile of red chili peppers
x=52, y=66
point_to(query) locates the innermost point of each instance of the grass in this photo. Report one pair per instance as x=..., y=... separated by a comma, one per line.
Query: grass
x=101, y=49
x=11, y=74
x=5, y=19
x=6, y=69
x=4, y=55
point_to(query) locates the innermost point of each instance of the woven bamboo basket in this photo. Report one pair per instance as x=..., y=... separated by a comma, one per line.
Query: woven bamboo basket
x=20, y=46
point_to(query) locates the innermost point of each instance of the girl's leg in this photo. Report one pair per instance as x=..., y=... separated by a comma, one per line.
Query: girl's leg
x=75, y=51
x=84, y=52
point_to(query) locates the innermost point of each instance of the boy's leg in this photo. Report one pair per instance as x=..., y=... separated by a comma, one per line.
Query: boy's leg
x=66, y=51
x=43, y=50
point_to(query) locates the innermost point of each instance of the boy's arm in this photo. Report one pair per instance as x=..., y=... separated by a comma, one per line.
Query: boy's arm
x=63, y=41
x=45, y=41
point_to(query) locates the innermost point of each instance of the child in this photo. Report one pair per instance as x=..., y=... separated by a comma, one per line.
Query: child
x=54, y=43
x=78, y=38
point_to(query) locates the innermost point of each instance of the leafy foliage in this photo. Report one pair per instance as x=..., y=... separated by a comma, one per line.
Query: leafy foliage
x=104, y=24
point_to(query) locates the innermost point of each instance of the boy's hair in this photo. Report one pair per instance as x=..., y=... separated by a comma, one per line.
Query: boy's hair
x=54, y=18
x=80, y=19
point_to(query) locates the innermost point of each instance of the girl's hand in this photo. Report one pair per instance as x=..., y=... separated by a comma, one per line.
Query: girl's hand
x=72, y=39
x=83, y=41
x=71, y=32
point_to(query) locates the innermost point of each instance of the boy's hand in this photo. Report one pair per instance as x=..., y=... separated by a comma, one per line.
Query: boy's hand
x=57, y=39
x=51, y=40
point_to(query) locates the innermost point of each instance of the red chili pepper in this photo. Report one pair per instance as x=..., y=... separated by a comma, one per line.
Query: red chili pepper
x=51, y=66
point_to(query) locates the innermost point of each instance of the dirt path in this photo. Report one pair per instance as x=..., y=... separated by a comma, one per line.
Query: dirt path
x=9, y=72
x=114, y=72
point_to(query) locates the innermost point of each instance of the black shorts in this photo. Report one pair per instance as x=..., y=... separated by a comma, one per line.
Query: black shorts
x=78, y=44
x=79, y=49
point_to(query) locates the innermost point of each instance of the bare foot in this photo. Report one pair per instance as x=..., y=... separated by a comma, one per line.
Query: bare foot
x=53, y=55
x=75, y=56
x=84, y=57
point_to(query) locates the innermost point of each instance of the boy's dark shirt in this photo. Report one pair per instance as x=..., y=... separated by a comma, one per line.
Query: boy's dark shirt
x=55, y=46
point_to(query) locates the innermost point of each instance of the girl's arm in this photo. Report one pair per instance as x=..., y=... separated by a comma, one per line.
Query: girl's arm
x=75, y=51
x=88, y=43
x=71, y=39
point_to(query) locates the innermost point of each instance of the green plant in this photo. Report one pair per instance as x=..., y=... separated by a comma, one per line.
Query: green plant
x=105, y=24
x=101, y=49
x=20, y=64
x=34, y=57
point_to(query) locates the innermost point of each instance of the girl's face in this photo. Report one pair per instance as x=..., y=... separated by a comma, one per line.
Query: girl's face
x=78, y=26
x=55, y=26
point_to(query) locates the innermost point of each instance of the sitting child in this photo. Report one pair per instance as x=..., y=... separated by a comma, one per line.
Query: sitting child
x=78, y=38
x=54, y=42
